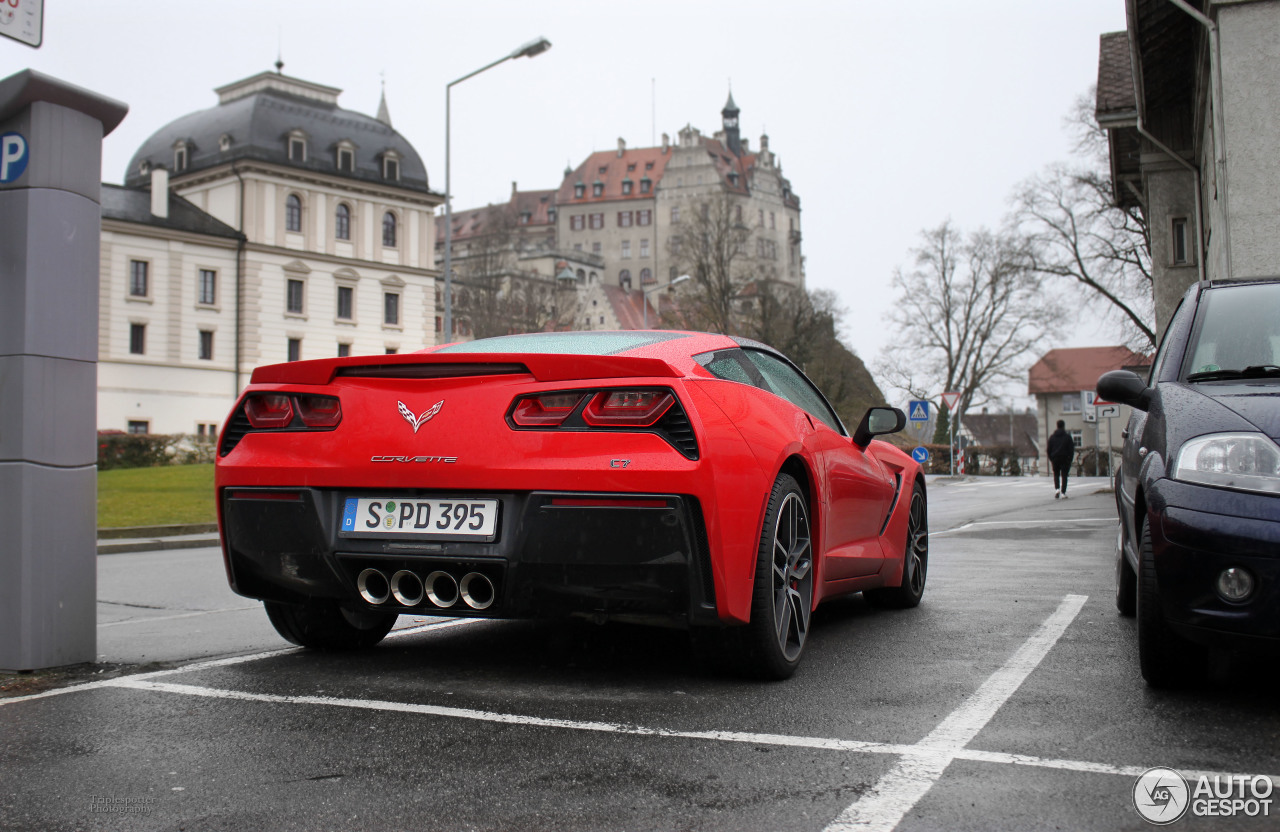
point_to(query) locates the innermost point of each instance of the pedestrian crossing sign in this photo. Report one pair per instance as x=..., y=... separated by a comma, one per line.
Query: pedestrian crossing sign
x=918, y=410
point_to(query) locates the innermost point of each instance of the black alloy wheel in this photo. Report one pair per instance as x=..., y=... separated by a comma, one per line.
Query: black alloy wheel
x=783, y=596
x=915, y=566
x=326, y=625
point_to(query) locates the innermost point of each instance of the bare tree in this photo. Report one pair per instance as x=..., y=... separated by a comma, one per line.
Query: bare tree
x=1074, y=230
x=969, y=316
x=710, y=244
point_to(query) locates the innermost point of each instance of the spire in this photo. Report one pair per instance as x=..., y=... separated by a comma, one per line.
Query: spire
x=384, y=115
x=731, y=135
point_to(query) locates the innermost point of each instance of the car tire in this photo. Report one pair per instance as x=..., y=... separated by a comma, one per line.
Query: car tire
x=1167, y=659
x=915, y=565
x=325, y=625
x=1126, y=580
x=782, y=597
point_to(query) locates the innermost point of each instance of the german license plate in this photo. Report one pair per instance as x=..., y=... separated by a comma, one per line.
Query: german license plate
x=441, y=519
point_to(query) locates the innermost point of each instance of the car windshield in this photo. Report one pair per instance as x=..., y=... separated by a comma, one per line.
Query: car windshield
x=1239, y=334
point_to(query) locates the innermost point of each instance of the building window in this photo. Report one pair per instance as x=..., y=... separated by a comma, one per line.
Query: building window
x=139, y=426
x=524, y=218
x=646, y=276
x=772, y=220
x=390, y=168
x=346, y=159
x=295, y=349
x=342, y=222
x=626, y=187
x=579, y=190
x=624, y=219
x=597, y=220
x=207, y=430
x=674, y=243
x=389, y=230
x=1070, y=402
x=207, y=291
x=391, y=308
x=344, y=350
x=293, y=300
x=576, y=222
x=624, y=278
x=179, y=159
x=595, y=247
x=224, y=142
x=551, y=214
x=761, y=223
x=1180, y=241
x=597, y=188
x=646, y=185
x=438, y=324
x=644, y=247
x=138, y=278
x=206, y=345
x=581, y=275
x=1077, y=438
x=138, y=339
x=675, y=213
x=626, y=249
x=392, y=350
x=293, y=213
x=297, y=150
x=346, y=300
x=577, y=246
x=644, y=217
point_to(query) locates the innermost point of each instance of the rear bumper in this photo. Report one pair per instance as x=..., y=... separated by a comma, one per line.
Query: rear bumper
x=554, y=554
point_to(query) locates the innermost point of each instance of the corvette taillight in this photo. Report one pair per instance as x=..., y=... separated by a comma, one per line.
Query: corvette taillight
x=547, y=410
x=627, y=408
x=319, y=411
x=270, y=411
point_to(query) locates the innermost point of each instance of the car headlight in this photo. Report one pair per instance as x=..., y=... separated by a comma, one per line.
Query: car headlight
x=1244, y=461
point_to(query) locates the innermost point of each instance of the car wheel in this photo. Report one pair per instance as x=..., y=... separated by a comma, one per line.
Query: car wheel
x=915, y=566
x=1126, y=580
x=325, y=625
x=783, y=595
x=1166, y=658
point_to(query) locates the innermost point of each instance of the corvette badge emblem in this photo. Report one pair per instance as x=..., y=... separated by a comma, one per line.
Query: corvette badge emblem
x=423, y=418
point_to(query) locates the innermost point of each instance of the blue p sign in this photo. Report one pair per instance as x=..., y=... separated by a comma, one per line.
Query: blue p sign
x=13, y=157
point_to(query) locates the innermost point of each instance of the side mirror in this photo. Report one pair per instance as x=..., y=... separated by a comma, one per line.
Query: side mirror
x=877, y=421
x=1126, y=387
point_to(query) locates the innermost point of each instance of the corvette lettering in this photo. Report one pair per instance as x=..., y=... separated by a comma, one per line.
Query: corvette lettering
x=443, y=459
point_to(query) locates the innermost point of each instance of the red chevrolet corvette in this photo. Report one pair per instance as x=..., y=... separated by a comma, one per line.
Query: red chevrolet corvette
x=648, y=476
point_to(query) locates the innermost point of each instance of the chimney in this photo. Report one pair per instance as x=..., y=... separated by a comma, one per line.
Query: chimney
x=513, y=187
x=160, y=192
x=622, y=146
x=666, y=143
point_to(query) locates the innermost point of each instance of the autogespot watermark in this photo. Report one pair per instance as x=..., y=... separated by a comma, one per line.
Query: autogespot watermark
x=1163, y=796
x=108, y=805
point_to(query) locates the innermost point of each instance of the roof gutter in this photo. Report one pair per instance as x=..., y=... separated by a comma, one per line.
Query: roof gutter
x=1219, y=124
x=1140, y=125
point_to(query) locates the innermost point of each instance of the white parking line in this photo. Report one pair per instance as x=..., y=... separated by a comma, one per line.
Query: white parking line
x=902, y=786
x=1014, y=524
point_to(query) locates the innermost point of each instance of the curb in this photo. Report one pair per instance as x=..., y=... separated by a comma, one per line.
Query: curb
x=134, y=532
x=156, y=544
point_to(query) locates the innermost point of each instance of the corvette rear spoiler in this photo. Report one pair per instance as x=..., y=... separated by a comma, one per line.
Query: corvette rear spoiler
x=542, y=367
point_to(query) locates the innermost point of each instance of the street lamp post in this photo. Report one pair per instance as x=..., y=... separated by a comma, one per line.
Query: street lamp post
x=644, y=295
x=528, y=50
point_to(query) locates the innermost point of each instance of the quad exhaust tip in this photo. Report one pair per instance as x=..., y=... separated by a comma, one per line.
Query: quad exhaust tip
x=441, y=589
x=373, y=586
x=477, y=591
x=407, y=588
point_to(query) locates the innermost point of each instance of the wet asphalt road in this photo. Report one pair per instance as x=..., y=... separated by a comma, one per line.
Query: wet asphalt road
x=1010, y=699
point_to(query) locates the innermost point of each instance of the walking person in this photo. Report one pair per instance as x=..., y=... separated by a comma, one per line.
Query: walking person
x=1061, y=449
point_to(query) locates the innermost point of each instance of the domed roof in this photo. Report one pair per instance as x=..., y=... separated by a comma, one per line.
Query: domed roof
x=254, y=120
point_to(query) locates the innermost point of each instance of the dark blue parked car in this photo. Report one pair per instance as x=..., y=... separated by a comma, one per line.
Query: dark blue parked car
x=1198, y=555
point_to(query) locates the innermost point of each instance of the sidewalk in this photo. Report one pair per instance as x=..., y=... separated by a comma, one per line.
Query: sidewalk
x=155, y=538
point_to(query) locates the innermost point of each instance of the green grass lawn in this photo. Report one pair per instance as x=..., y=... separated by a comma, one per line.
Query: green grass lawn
x=155, y=496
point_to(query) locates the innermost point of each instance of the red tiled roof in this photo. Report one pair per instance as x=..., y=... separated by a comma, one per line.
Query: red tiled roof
x=615, y=170
x=1069, y=370
x=476, y=221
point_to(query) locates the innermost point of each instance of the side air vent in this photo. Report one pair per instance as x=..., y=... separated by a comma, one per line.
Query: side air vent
x=677, y=430
x=234, y=431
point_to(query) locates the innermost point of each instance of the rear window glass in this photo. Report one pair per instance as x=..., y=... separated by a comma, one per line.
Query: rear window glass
x=566, y=343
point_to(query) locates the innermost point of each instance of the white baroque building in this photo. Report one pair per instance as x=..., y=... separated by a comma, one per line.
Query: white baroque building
x=274, y=226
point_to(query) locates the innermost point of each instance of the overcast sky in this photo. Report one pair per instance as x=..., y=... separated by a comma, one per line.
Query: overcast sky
x=887, y=117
